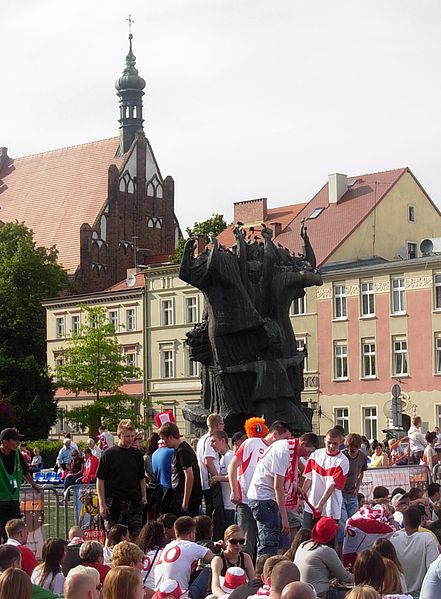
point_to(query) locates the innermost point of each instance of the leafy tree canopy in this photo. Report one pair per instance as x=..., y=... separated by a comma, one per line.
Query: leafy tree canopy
x=94, y=364
x=212, y=226
x=28, y=274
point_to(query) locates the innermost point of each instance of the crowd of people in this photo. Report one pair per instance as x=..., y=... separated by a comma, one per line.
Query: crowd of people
x=271, y=516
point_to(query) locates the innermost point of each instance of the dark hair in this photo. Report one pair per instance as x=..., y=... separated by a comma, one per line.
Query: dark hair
x=184, y=525
x=260, y=563
x=52, y=555
x=360, y=496
x=369, y=569
x=396, y=491
x=279, y=426
x=152, y=536
x=238, y=436
x=415, y=493
x=152, y=443
x=433, y=488
x=340, y=428
x=204, y=525
x=412, y=517
x=302, y=535
x=310, y=439
x=430, y=437
x=386, y=549
x=116, y=534
x=169, y=429
x=380, y=492
x=220, y=435
x=88, y=451
x=8, y=555
x=168, y=520
x=283, y=573
x=335, y=432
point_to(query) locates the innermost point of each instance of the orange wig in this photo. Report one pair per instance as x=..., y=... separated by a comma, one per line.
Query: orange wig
x=256, y=427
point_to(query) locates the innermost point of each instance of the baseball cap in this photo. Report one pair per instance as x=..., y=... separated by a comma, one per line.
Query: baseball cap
x=10, y=433
x=396, y=499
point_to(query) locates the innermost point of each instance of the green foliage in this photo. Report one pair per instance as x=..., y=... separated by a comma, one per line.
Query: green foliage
x=94, y=364
x=210, y=227
x=28, y=274
x=48, y=449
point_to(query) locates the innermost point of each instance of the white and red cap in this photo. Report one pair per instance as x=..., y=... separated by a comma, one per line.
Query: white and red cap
x=234, y=577
x=168, y=588
x=164, y=417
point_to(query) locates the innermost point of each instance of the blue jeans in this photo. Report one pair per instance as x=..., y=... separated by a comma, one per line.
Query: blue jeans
x=269, y=525
x=244, y=519
x=348, y=508
x=199, y=587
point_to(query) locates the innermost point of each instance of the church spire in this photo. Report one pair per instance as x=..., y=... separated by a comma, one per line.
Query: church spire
x=130, y=91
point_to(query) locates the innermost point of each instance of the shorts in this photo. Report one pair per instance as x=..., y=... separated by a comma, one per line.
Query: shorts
x=125, y=511
x=294, y=519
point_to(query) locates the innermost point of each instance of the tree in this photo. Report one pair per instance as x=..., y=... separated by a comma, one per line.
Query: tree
x=28, y=274
x=210, y=227
x=94, y=364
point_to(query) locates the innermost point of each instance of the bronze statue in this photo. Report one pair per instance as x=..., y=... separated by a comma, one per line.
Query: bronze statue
x=245, y=343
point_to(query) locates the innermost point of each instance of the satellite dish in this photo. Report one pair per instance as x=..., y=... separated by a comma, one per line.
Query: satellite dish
x=131, y=280
x=401, y=253
x=426, y=247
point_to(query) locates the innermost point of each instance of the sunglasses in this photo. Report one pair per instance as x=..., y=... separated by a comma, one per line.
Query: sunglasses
x=237, y=541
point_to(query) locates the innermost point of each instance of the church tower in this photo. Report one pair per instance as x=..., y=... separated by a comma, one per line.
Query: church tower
x=130, y=91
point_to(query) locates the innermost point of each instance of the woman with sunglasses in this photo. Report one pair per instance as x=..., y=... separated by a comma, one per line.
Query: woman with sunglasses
x=232, y=555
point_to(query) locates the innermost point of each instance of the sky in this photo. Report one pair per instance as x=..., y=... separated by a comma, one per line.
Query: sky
x=244, y=99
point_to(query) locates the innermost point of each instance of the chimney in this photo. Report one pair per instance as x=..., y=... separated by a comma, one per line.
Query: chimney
x=337, y=187
x=4, y=158
x=250, y=212
x=277, y=228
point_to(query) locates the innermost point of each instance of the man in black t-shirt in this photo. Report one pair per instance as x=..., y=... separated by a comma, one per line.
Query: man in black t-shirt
x=186, y=480
x=13, y=469
x=121, y=482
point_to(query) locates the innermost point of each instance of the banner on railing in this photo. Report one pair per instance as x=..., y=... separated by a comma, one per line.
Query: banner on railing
x=405, y=477
x=87, y=513
x=32, y=508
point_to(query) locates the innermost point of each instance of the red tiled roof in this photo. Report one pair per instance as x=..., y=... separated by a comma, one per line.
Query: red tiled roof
x=133, y=388
x=55, y=192
x=282, y=214
x=337, y=221
x=122, y=285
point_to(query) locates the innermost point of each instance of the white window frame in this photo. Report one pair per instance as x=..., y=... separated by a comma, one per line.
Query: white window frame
x=191, y=309
x=341, y=362
x=167, y=312
x=130, y=319
x=438, y=415
x=398, y=295
x=301, y=344
x=340, y=305
x=437, y=353
x=400, y=356
x=167, y=358
x=75, y=323
x=60, y=327
x=437, y=290
x=369, y=417
x=298, y=306
x=367, y=295
x=113, y=318
x=368, y=359
x=342, y=419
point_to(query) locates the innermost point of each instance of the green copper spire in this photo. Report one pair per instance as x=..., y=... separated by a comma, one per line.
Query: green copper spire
x=130, y=78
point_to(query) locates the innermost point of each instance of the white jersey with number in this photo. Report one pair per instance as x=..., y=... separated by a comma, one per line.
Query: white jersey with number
x=248, y=454
x=150, y=562
x=275, y=460
x=178, y=560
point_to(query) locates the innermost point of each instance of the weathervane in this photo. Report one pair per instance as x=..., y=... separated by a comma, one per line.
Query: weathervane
x=130, y=21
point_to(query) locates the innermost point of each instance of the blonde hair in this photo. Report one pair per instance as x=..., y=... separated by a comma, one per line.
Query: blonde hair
x=392, y=581
x=231, y=530
x=214, y=419
x=363, y=591
x=15, y=584
x=126, y=554
x=125, y=425
x=120, y=582
x=88, y=570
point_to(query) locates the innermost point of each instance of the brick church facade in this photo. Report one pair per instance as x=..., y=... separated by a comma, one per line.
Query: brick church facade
x=104, y=205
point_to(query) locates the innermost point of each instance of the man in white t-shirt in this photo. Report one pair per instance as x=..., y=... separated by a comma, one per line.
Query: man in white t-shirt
x=242, y=467
x=208, y=460
x=415, y=550
x=266, y=496
x=180, y=557
x=325, y=478
x=417, y=440
x=219, y=442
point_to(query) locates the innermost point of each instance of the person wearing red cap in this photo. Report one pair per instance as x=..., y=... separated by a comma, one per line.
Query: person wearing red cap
x=242, y=467
x=319, y=564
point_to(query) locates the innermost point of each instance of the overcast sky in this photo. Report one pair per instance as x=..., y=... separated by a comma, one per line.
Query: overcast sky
x=244, y=98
